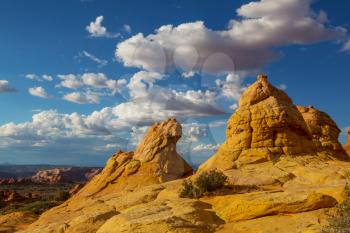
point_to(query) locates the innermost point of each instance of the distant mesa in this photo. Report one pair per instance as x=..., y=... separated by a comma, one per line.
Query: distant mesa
x=65, y=175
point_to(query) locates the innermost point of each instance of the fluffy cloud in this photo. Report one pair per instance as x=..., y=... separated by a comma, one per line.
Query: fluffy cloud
x=91, y=83
x=47, y=77
x=93, y=80
x=99, y=81
x=195, y=133
x=246, y=45
x=5, y=87
x=346, y=46
x=69, y=81
x=39, y=92
x=82, y=98
x=41, y=78
x=232, y=87
x=150, y=102
x=127, y=28
x=205, y=148
x=96, y=29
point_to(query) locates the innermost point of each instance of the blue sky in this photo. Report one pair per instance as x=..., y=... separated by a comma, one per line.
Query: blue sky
x=78, y=80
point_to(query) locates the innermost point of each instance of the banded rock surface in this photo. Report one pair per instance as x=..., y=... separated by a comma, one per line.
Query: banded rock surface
x=267, y=126
x=284, y=161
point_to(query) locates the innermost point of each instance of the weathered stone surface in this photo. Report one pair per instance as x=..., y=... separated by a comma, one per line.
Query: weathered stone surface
x=305, y=222
x=232, y=208
x=128, y=179
x=285, y=163
x=324, y=132
x=177, y=215
x=347, y=146
x=16, y=221
x=267, y=126
x=155, y=160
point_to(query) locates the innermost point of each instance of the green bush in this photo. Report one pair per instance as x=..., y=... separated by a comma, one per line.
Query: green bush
x=63, y=196
x=205, y=183
x=210, y=181
x=38, y=207
x=340, y=223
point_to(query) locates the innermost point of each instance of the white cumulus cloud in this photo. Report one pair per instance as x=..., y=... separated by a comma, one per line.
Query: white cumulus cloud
x=39, y=92
x=5, y=87
x=246, y=45
x=82, y=98
x=96, y=29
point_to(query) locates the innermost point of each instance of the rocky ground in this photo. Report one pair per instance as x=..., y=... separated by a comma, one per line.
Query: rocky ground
x=285, y=166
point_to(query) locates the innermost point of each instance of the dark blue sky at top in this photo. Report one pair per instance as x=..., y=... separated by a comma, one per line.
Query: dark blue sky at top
x=45, y=37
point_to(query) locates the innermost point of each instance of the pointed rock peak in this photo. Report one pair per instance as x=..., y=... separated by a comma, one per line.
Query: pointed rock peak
x=159, y=136
x=155, y=160
x=261, y=90
x=267, y=125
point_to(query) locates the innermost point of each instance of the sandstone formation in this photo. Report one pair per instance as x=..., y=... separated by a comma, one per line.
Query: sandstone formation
x=64, y=175
x=16, y=221
x=155, y=160
x=284, y=163
x=268, y=126
x=120, y=185
x=347, y=146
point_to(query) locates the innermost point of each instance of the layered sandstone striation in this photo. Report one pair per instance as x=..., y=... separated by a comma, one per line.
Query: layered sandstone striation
x=267, y=126
x=155, y=160
x=128, y=179
x=284, y=163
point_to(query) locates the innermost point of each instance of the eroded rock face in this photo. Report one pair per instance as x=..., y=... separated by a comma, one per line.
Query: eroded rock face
x=324, y=132
x=155, y=160
x=267, y=125
x=283, y=161
x=347, y=146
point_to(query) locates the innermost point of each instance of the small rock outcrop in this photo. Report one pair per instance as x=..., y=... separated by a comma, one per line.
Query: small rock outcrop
x=324, y=132
x=267, y=125
x=347, y=146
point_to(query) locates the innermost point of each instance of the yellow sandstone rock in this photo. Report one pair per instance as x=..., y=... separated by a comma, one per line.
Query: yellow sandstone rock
x=347, y=146
x=284, y=161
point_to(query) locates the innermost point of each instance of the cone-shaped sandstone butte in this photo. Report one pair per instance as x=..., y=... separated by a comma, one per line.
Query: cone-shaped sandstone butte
x=268, y=125
x=155, y=160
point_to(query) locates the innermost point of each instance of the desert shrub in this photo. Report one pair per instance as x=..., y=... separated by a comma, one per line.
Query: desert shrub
x=38, y=207
x=206, y=182
x=189, y=190
x=340, y=222
x=210, y=181
x=63, y=195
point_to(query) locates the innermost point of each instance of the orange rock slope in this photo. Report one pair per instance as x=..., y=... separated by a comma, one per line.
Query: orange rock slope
x=285, y=162
x=347, y=146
